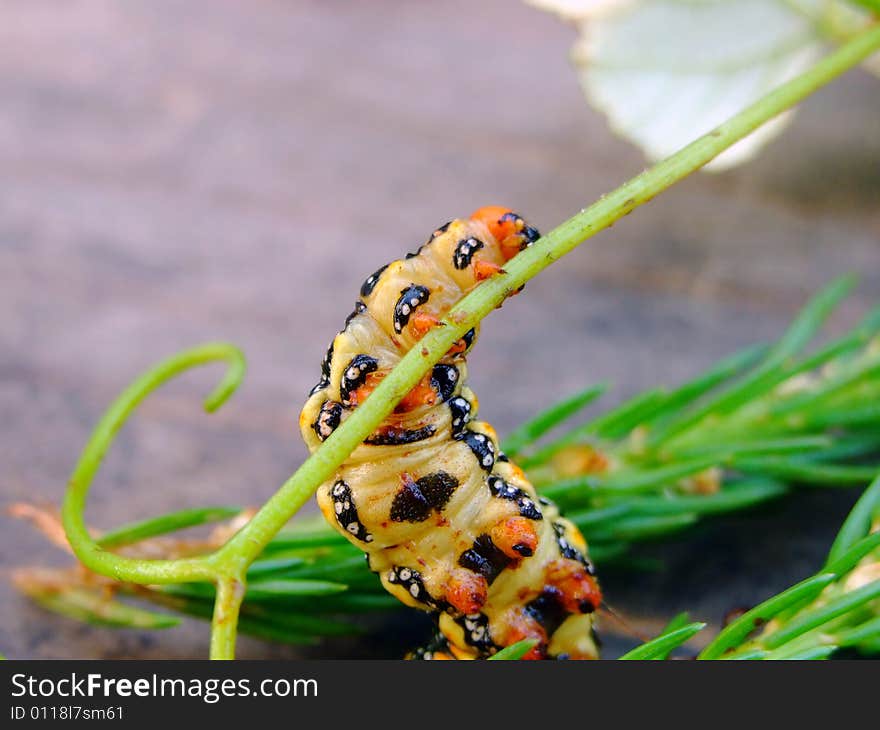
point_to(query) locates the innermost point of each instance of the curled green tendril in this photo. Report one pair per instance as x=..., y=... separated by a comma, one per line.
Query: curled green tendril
x=89, y=552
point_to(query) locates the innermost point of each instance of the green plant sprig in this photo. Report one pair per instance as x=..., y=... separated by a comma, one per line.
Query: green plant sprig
x=227, y=567
x=837, y=608
x=750, y=429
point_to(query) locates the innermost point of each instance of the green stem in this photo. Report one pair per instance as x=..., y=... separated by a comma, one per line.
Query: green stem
x=234, y=557
x=224, y=624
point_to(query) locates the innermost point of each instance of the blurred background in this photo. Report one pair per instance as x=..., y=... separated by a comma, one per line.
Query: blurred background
x=177, y=172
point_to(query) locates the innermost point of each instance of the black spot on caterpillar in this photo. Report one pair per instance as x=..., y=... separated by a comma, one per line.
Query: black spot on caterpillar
x=398, y=437
x=481, y=445
x=464, y=252
x=468, y=338
x=412, y=583
x=355, y=375
x=485, y=558
x=444, y=378
x=416, y=499
x=476, y=632
x=328, y=419
x=460, y=412
x=567, y=550
x=371, y=281
x=325, y=371
x=448, y=522
x=411, y=297
x=346, y=512
x=359, y=308
x=527, y=506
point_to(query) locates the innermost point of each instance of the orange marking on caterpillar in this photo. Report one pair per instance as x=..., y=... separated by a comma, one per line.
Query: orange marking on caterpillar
x=360, y=394
x=515, y=537
x=466, y=591
x=422, y=394
x=458, y=347
x=522, y=626
x=497, y=219
x=579, y=592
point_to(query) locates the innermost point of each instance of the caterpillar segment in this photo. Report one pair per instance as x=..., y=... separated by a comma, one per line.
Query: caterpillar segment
x=447, y=521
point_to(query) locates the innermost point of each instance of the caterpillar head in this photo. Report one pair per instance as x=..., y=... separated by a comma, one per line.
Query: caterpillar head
x=511, y=232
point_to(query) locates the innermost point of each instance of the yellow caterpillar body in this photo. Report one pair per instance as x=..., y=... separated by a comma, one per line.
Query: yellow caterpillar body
x=447, y=521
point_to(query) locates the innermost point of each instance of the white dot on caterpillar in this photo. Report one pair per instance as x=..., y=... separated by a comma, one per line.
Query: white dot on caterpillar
x=405, y=309
x=405, y=574
x=352, y=527
x=487, y=460
x=414, y=301
x=338, y=507
x=338, y=490
x=414, y=590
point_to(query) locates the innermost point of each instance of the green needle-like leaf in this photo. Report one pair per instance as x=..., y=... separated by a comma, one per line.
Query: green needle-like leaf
x=532, y=430
x=858, y=523
x=846, y=561
x=734, y=633
x=661, y=646
x=514, y=651
x=868, y=631
x=641, y=480
x=769, y=372
x=724, y=369
x=677, y=622
x=813, y=653
x=733, y=497
x=806, y=471
x=172, y=522
x=280, y=588
x=93, y=607
x=811, y=619
x=272, y=567
x=641, y=528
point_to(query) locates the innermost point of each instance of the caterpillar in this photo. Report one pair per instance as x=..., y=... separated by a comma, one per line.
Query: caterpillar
x=448, y=522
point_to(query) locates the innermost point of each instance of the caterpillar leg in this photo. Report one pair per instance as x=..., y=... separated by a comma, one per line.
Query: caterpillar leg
x=485, y=270
x=422, y=322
